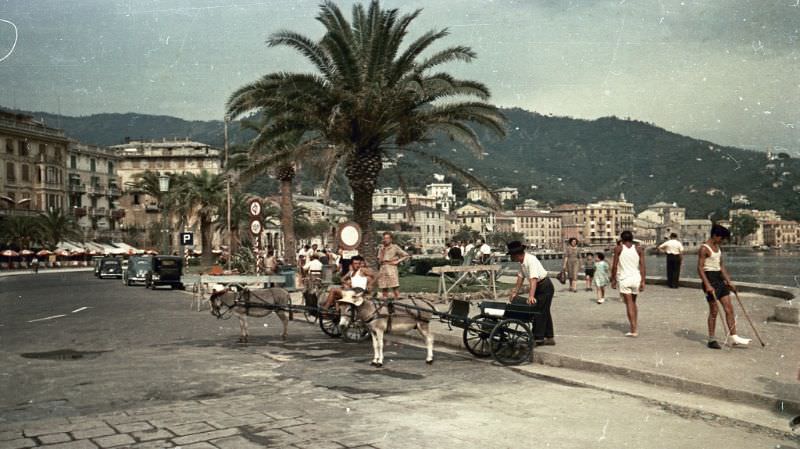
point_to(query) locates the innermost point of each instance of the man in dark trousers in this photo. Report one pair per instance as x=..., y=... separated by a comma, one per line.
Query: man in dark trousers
x=540, y=293
x=674, y=249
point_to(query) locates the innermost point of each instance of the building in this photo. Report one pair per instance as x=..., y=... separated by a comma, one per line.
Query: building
x=33, y=169
x=443, y=192
x=93, y=189
x=427, y=228
x=504, y=222
x=625, y=212
x=476, y=217
x=417, y=200
x=476, y=194
x=388, y=198
x=541, y=229
x=781, y=233
x=761, y=216
x=668, y=216
x=528, y=204
x=694, y=232
x=645, y=231
x=507, y=193
x=592, y=224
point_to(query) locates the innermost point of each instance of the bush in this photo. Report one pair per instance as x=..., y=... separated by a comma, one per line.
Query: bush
x=423, y=266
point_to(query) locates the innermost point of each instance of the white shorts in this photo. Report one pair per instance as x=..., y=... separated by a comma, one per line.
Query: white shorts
x=629, y=286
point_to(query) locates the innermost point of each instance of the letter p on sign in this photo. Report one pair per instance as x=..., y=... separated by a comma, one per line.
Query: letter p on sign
x=187, y=238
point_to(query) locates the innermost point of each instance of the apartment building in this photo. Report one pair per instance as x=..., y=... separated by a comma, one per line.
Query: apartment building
x=93, y=190
x=541, y=229
x=476, y=217
x=593, y=224
x=781, y=233
x=427, y=228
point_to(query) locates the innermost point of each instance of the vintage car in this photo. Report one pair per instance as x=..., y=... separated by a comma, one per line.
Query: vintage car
x=137, y=270
x=166, y=270
x=96, y=264
x=110, y=267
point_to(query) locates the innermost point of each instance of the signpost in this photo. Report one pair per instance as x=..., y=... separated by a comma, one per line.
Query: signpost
x=187, y=238
x=254, y=208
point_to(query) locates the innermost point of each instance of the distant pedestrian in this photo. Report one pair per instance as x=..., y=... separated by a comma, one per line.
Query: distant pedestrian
x=470, y=246
x=628, y=271
x=674, y=249
x=588, y=270
x=601, y=277
x=540, y=291
x=484, y=251
x=717, y=285
x=454, y=254
x=572, y=263
x=389, y=257
x=35, y=264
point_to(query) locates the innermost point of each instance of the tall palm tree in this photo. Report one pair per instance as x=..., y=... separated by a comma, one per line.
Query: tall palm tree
x=368, y=98
x=20, y=230
x=204, y=194
x=55, y=226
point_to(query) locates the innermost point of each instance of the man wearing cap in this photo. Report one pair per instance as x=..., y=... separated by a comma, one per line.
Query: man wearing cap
x=540, y=293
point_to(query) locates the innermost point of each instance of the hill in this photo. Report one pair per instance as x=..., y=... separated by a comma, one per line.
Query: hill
x=552, y=159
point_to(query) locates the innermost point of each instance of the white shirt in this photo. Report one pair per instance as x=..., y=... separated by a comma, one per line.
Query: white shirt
x=313, y=265
x=468, y=248
x=671, y=246
x=485, y=249
x=713, y=262
x=357, y=280
x=531, y=268
x=628, y=268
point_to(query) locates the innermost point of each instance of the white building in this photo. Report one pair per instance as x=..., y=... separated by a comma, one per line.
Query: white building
x=388, y=198
x=93, y=191
x=443, y=192
x=694, y=232
x=427, y=229
x=476, y=217
x=507, y=193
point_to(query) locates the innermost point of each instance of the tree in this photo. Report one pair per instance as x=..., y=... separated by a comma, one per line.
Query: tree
x=743, y=225
x=55, y=226
x=499, y=239
x=466, y=234
x=19, y=231
x=204, y=194
x=369, y=99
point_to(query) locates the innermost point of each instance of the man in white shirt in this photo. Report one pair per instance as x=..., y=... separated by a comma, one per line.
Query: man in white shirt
x=313, y=264
x=484, y=251
x=540, y=292
x=674, y=249
x=468, y=248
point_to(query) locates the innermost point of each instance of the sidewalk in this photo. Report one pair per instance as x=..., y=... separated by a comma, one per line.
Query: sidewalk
x=671, y=348
x=44, y=271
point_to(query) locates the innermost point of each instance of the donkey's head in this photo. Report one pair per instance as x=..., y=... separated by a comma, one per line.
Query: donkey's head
x=221, y=296
x=348, y=306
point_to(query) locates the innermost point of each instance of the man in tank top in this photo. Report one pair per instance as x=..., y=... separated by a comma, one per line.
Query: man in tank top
x=359, y=276
x=628, y=272
x=717, y=285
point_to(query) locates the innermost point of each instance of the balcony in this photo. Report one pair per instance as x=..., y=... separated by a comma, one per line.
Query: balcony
x=96, y=190
x=118, y=214
x=76, y=188
x=79, y=211
x=151, y=208
x=99, y=212
x=114, y=191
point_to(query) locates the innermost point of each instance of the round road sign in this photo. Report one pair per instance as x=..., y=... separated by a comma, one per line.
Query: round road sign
x=255, y=227
x=255, y=208
x=349, y=235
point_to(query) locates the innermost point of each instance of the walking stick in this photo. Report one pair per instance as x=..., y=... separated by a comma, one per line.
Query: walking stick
x=722, y=318
x=752, y=326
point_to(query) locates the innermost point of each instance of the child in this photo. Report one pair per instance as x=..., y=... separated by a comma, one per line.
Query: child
x=601, y=277
x=588, y=270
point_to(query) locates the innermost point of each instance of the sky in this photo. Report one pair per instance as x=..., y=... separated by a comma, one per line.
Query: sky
x=721, y=70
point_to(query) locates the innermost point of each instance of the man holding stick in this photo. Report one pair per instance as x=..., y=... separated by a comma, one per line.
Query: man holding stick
x=717, y=285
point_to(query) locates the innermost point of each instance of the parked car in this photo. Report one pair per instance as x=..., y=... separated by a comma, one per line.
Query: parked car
x=137, y=270
x=166, y=270
x=110, y=267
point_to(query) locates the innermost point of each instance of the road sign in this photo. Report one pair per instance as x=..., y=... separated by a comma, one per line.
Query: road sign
x=255, y=208
x=187, y=238
x=349, y=235
x=255, y=227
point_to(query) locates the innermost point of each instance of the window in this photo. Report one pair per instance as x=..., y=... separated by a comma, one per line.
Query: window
x=10, y=172
x=136, y=199
x=23, y=148
x=73, y=161
x=26, y=173
x=92, y=165
x=9, y=146
x=110, y=168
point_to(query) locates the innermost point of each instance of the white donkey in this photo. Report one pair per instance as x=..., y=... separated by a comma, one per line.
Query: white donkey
x=257, y=303
x=379, y=320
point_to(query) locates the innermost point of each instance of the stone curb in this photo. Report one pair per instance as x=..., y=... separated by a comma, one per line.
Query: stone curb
x=452, y=340
x=45, y=271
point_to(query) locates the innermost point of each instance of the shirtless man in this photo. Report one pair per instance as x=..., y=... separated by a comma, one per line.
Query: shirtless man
x=359, y=276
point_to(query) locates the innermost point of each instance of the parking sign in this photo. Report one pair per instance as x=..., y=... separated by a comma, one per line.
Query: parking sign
x=187, y=238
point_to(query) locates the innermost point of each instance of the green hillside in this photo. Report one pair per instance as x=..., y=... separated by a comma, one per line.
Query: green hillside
x=551, y=159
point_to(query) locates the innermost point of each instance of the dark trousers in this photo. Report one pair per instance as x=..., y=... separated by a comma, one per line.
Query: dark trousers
x=673, y=270
x=543, y=324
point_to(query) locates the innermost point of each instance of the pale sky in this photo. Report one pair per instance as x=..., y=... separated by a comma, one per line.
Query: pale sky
x=721, y=70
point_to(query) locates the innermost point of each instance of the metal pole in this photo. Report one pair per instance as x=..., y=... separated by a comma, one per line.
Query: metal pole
x=228, y=194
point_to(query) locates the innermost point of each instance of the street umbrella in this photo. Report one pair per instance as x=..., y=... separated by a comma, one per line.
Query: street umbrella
x=26, y=252
x=61, y=252
x=152, y=252
x=216, y=251
x=43, y=253
x=9, y=253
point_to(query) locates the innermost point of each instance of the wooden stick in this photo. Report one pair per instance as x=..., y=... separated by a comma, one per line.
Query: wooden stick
x=752, y=326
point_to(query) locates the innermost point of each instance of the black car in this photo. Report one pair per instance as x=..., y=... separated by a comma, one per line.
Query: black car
x=96, y=264
x=166, y=270
x=110, y=267
x=138, y=269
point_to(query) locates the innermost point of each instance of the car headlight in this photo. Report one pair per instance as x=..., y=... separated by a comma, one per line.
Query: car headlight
x=156, y=277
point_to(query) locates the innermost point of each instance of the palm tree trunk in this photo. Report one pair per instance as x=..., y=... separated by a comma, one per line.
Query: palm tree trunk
x=205, y=239
x=286, y=176
x=362, y=174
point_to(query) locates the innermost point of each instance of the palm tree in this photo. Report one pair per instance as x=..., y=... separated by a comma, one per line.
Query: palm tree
x=204, y=195
x=55, y=226
x=19, y=230
x=368, y=99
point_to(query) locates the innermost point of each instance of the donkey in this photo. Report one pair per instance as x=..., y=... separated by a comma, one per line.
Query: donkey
x=254, y=303
x=379, y=319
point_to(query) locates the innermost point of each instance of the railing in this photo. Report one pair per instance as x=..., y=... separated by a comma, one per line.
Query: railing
x=79, y=211
x=76, y=187
x=99, y=212
x=114, y=191
x=117, y=214
x=41, y=129
x=95, y=190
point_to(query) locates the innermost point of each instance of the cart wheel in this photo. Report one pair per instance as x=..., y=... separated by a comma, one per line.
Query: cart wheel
x=512, y=342
x=355, y=333
x=329, y=323
x=476, y=335
x=311, y=309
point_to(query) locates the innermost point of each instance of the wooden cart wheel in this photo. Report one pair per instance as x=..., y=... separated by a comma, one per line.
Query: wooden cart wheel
x=355, y=333
x=311, y=309
x=476, y=335
x=512, y=342
x=329, y=323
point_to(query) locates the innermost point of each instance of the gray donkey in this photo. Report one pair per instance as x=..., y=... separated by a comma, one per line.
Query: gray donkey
x=255, y=303
x=379, y=319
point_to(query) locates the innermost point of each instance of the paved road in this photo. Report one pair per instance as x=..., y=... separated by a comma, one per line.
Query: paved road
x=151, y=365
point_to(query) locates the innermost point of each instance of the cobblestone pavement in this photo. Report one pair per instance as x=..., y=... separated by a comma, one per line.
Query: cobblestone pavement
x=148, y=372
